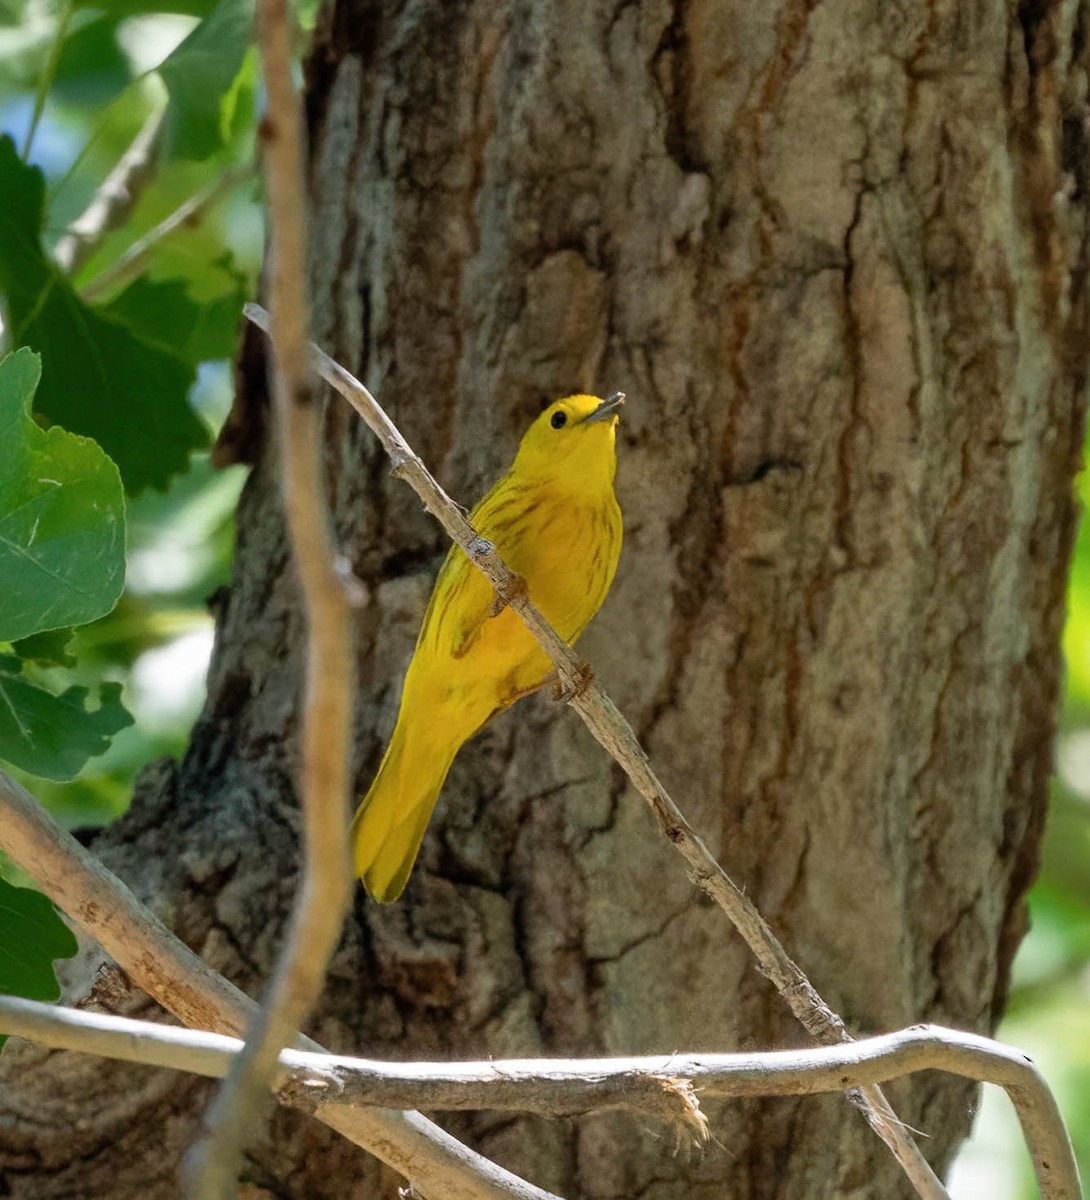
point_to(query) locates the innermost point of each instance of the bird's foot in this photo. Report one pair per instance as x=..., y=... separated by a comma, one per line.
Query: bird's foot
x=568, y=690
x=522, y=693
x=517, y=591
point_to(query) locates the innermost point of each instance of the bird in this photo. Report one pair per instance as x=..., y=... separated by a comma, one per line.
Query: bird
x=555, y=522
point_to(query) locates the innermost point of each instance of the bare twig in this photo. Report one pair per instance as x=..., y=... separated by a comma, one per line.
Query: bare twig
x=128, y=265
x=114, y=200
x=662, y=1086
x=614, y=733
x=438, y=1164
x=325, y=783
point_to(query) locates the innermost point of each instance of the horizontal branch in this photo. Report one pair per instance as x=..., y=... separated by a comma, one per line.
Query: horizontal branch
x=665, y=1086
x=157, y=961
x=615, y=735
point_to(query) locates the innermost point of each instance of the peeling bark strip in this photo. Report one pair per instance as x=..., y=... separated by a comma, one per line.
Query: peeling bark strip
x=836, y=258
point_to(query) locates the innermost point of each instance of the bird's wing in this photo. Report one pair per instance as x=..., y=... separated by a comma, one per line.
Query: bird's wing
x=463, y=599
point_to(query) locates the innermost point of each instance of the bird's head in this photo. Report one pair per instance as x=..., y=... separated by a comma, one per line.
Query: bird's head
x=573, y=438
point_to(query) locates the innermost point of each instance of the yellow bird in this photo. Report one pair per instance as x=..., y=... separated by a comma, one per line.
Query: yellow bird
x=554, y=520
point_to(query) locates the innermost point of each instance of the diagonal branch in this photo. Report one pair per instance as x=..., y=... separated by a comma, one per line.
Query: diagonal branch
x=113, y=201
x=325, y=890
x=128, y=265
x=662, y=1086
x=614, y=733
x=95, y=899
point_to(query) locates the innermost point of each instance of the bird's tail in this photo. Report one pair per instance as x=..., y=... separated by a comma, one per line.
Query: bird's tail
x=390, y=821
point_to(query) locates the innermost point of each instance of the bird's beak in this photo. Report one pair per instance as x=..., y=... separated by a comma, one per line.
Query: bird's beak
x=608, y=407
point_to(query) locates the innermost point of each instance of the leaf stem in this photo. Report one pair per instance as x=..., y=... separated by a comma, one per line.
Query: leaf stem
x=45, y=82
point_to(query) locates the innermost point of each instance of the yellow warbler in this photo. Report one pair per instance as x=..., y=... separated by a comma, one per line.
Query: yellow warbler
x=555, y=522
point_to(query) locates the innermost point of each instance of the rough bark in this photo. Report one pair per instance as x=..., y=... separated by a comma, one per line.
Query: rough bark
x=835, y=255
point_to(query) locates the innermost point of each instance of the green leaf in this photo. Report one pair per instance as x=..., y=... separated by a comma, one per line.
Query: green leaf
x=62, y=517
x=53, y=736
x=163, y=314
x=98, y=378
x=199, y=75
x=132, y=8
x=49, y=648
x=32, y=935
x=92, y=68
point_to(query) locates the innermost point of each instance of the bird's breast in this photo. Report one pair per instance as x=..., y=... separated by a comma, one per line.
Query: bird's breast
x=567, y=553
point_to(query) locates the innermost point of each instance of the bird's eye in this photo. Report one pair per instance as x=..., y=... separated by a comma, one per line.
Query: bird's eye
x=560, y=419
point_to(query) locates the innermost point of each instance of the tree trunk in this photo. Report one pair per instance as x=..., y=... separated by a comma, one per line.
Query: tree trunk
x=835, y=255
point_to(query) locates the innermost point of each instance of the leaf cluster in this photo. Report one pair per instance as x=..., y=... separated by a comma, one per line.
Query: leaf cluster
x=108, y=383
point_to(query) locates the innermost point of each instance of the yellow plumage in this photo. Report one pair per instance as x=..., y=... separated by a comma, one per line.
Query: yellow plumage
x=554, y=521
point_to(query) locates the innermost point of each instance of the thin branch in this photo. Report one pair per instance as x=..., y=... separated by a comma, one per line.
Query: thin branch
x=49, y=72
x=96, y=900
x=306, y=1079
x=325, y=889
x=614, y=733
x=130, y=264
x=662, y=1086
x=114, y=200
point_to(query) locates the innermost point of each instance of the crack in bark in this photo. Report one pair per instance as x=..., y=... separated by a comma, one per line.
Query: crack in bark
x=854, y=353
x=598, y=961
x=671, y=59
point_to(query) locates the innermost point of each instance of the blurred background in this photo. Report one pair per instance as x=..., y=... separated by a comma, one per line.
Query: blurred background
x=79, y=82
